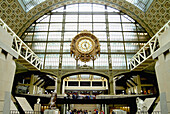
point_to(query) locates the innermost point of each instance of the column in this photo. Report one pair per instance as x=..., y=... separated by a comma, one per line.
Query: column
x=63, y=88
x=55, y=85
x=106, y=84
x=64, y=109
x=138, y=84
x=7, y=70
x=162, y=68
x=111, y=85
x=79, y=83
x=114, y=86
x=31, y=87
x=105, y=109
x=58, y=85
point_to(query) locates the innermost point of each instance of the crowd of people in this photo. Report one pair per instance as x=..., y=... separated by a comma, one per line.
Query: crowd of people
x=79, y=96
x=85, y=112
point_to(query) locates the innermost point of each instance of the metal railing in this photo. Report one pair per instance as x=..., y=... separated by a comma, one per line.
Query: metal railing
x=26, y=112
x=22, y=49
x=145, y=112
x=148, y=49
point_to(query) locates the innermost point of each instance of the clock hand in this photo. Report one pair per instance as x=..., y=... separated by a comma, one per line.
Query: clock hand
x=85, y=46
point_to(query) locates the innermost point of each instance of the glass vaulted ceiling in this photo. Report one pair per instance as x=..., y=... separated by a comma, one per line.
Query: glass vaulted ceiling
x=29, y=4
x=119, y=35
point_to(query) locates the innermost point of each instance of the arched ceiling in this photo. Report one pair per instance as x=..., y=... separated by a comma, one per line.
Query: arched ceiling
x=18, y=20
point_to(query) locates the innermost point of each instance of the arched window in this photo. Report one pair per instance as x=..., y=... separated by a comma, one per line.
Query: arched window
x=119, y=35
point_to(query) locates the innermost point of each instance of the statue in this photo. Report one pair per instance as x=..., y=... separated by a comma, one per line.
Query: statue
x=141, y=107
x=52, y=104
x=38, y=101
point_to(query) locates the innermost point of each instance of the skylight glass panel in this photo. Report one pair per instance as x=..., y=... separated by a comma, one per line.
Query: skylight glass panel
x=56, y=18
x=131, y=47
x=103, y=47
x=85, y=26
x=66, y=47
x=141, y=4
x=68, y=62
x=114, y=18
x=53, y=47
x=29, y=4
x=101, y=36
x=40, y=36
x=109, y=9
x=99, y=26
x=44, y=18
x=68, y=36
x=118, y=61
x=61, y=9
x=71, y=18
x=130, y=36
x=72, y=8
x=99, y=18
x=126, y=18
x=38, y=47
x=29, y=37
x=117, y=47
x=85, y=18
x=101, y=62
x=98, y=8
x=52, y=61
x=71, y=26
x=41, y=27
x=85, y=7
x=116, y=36
x=129, y=27
x=55, y=27
x=54, y=36
x=115, y=27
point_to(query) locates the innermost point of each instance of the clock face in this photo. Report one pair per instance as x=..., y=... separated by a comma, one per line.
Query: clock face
x=85, y=45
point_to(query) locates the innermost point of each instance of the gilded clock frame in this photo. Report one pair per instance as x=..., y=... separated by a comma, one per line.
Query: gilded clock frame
x=81, y=55
x=78, y=41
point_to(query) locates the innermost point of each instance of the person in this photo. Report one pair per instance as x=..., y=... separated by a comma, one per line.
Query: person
x=85, y=112
x=102, y=112
x=67, y=112
x=68, y=95
x=97, y=112
x=90, y=112
x=73, y=96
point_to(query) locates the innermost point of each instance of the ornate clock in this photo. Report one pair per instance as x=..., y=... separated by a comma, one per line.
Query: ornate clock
x=85, y=46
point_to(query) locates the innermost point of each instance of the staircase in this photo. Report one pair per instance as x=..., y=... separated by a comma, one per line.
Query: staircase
x=84, y=107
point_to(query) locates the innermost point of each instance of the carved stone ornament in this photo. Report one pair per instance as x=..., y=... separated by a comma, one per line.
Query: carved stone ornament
x=85, y=46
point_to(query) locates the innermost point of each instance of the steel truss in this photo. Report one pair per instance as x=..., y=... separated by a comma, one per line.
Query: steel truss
x=143, y=58
x=27, y=57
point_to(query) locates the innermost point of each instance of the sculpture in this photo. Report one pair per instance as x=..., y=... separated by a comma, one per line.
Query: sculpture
x=38, y=101
x=141, y=107
x=53, y=100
